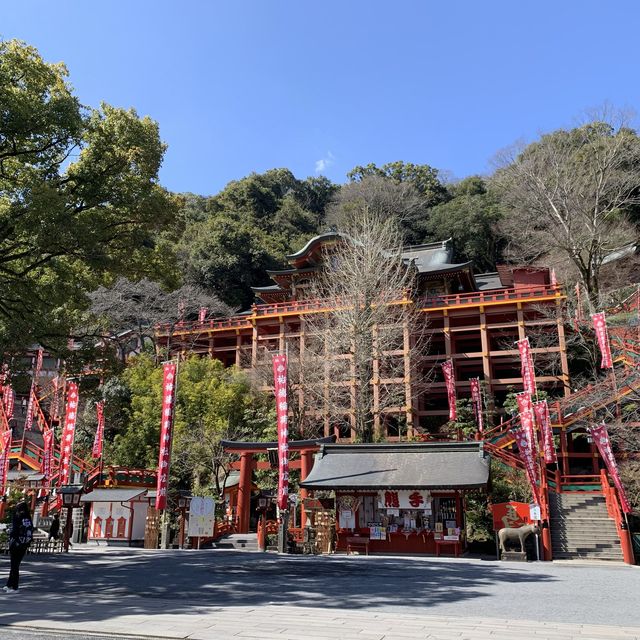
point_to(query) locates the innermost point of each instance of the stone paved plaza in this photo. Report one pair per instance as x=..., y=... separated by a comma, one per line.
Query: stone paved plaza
x=207, y=595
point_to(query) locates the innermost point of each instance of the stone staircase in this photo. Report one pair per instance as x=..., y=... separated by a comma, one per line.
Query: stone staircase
x=239, y=541
x=582, y=529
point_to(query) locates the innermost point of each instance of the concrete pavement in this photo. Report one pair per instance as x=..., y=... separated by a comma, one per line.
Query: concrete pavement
x=220, y=595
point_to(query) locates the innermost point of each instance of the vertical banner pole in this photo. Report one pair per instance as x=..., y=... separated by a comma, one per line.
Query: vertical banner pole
x=282, y=412
x=169, y=390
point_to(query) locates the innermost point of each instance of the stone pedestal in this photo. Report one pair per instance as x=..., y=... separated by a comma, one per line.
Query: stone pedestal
x=514, y=556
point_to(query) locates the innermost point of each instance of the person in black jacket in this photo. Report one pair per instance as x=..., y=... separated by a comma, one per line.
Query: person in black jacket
x=54, y=529
x=19, y=541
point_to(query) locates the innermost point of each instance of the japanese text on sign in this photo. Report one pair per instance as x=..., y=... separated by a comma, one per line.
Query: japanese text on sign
x=404, y=499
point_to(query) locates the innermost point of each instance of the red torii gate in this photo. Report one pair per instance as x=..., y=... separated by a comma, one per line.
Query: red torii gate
x=247, y=464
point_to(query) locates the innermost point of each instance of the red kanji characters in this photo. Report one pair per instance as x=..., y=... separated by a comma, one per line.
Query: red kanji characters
x=391, y=499
x=415, y=499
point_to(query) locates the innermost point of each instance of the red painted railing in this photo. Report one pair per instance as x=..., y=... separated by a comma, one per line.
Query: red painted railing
x=303, y=306
x=487, y=297
x=615, y=513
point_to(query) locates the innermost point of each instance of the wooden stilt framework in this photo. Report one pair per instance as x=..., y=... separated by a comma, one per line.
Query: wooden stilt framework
x=476, y=330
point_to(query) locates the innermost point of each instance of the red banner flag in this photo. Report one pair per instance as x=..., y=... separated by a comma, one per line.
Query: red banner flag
x=449, y=379
x=96, y=452
x=58, y=385
x=602, y=335
x=601, y=438
x=526, y=455
x=476, y=401
x=28, y=421
x=282, y=411
x=9, y=401
x=169, y=387
x=526, y=366
x=68, y=434
x=544, y=422
x=39, y=359
x=525, y=409
x=5, y=449
x=47, y=457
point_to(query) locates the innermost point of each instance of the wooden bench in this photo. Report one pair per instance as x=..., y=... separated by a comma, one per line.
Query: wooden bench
x=355, y=543
x=442, y=543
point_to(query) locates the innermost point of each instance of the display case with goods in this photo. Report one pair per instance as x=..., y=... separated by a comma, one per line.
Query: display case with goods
x=399, y=521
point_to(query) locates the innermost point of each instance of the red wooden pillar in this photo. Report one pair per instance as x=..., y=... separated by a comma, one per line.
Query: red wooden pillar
x=306, y=463
x=244, y=492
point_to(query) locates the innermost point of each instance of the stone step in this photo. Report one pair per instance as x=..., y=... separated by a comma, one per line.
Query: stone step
x=605, y=528
x=582, y=530
x=571, y=529
x=579, y=507
x=581, y=513
x=580, y=500
x=587, y=556
x=584, y=543
x=581, y=551
x=239, y=541
x=590, y=502
x=609, y=531
x=583, y=522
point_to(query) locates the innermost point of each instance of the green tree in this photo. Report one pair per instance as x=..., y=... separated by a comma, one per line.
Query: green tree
x=424, y=178
x=213, y=403
x=465, y=426
x=228, y=257
x=232, y=239
x=137, y=444
x=472, y=219
x=79, y=198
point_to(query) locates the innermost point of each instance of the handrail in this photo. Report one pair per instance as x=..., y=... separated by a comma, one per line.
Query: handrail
x=615, y=513
x=4, y=421
x=293, y=306
x=499, y=295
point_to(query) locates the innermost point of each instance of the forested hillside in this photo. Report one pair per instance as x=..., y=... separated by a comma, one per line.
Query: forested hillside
x=91, y=244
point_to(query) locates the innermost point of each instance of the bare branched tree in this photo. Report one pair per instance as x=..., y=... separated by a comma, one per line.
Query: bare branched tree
x=569, y=192
x=400, y=201
x=359, y=353
x=129, y=311
x=201, y=456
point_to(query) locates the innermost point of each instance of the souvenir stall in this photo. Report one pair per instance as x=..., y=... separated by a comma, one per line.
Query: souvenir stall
x=400, y=498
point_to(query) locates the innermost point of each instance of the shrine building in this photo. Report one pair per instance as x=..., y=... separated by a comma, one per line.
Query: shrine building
x=473, y=319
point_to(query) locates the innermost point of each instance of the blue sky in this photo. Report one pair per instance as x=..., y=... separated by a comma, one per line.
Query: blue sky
x=319, y=87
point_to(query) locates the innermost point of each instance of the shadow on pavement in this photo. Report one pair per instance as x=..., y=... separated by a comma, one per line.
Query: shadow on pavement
x=100, y=584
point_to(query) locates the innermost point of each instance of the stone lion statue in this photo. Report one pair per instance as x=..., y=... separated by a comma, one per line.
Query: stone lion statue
x=509, y=534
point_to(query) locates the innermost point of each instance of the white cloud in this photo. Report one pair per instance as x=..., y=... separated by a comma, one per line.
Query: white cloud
x=324, y=163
